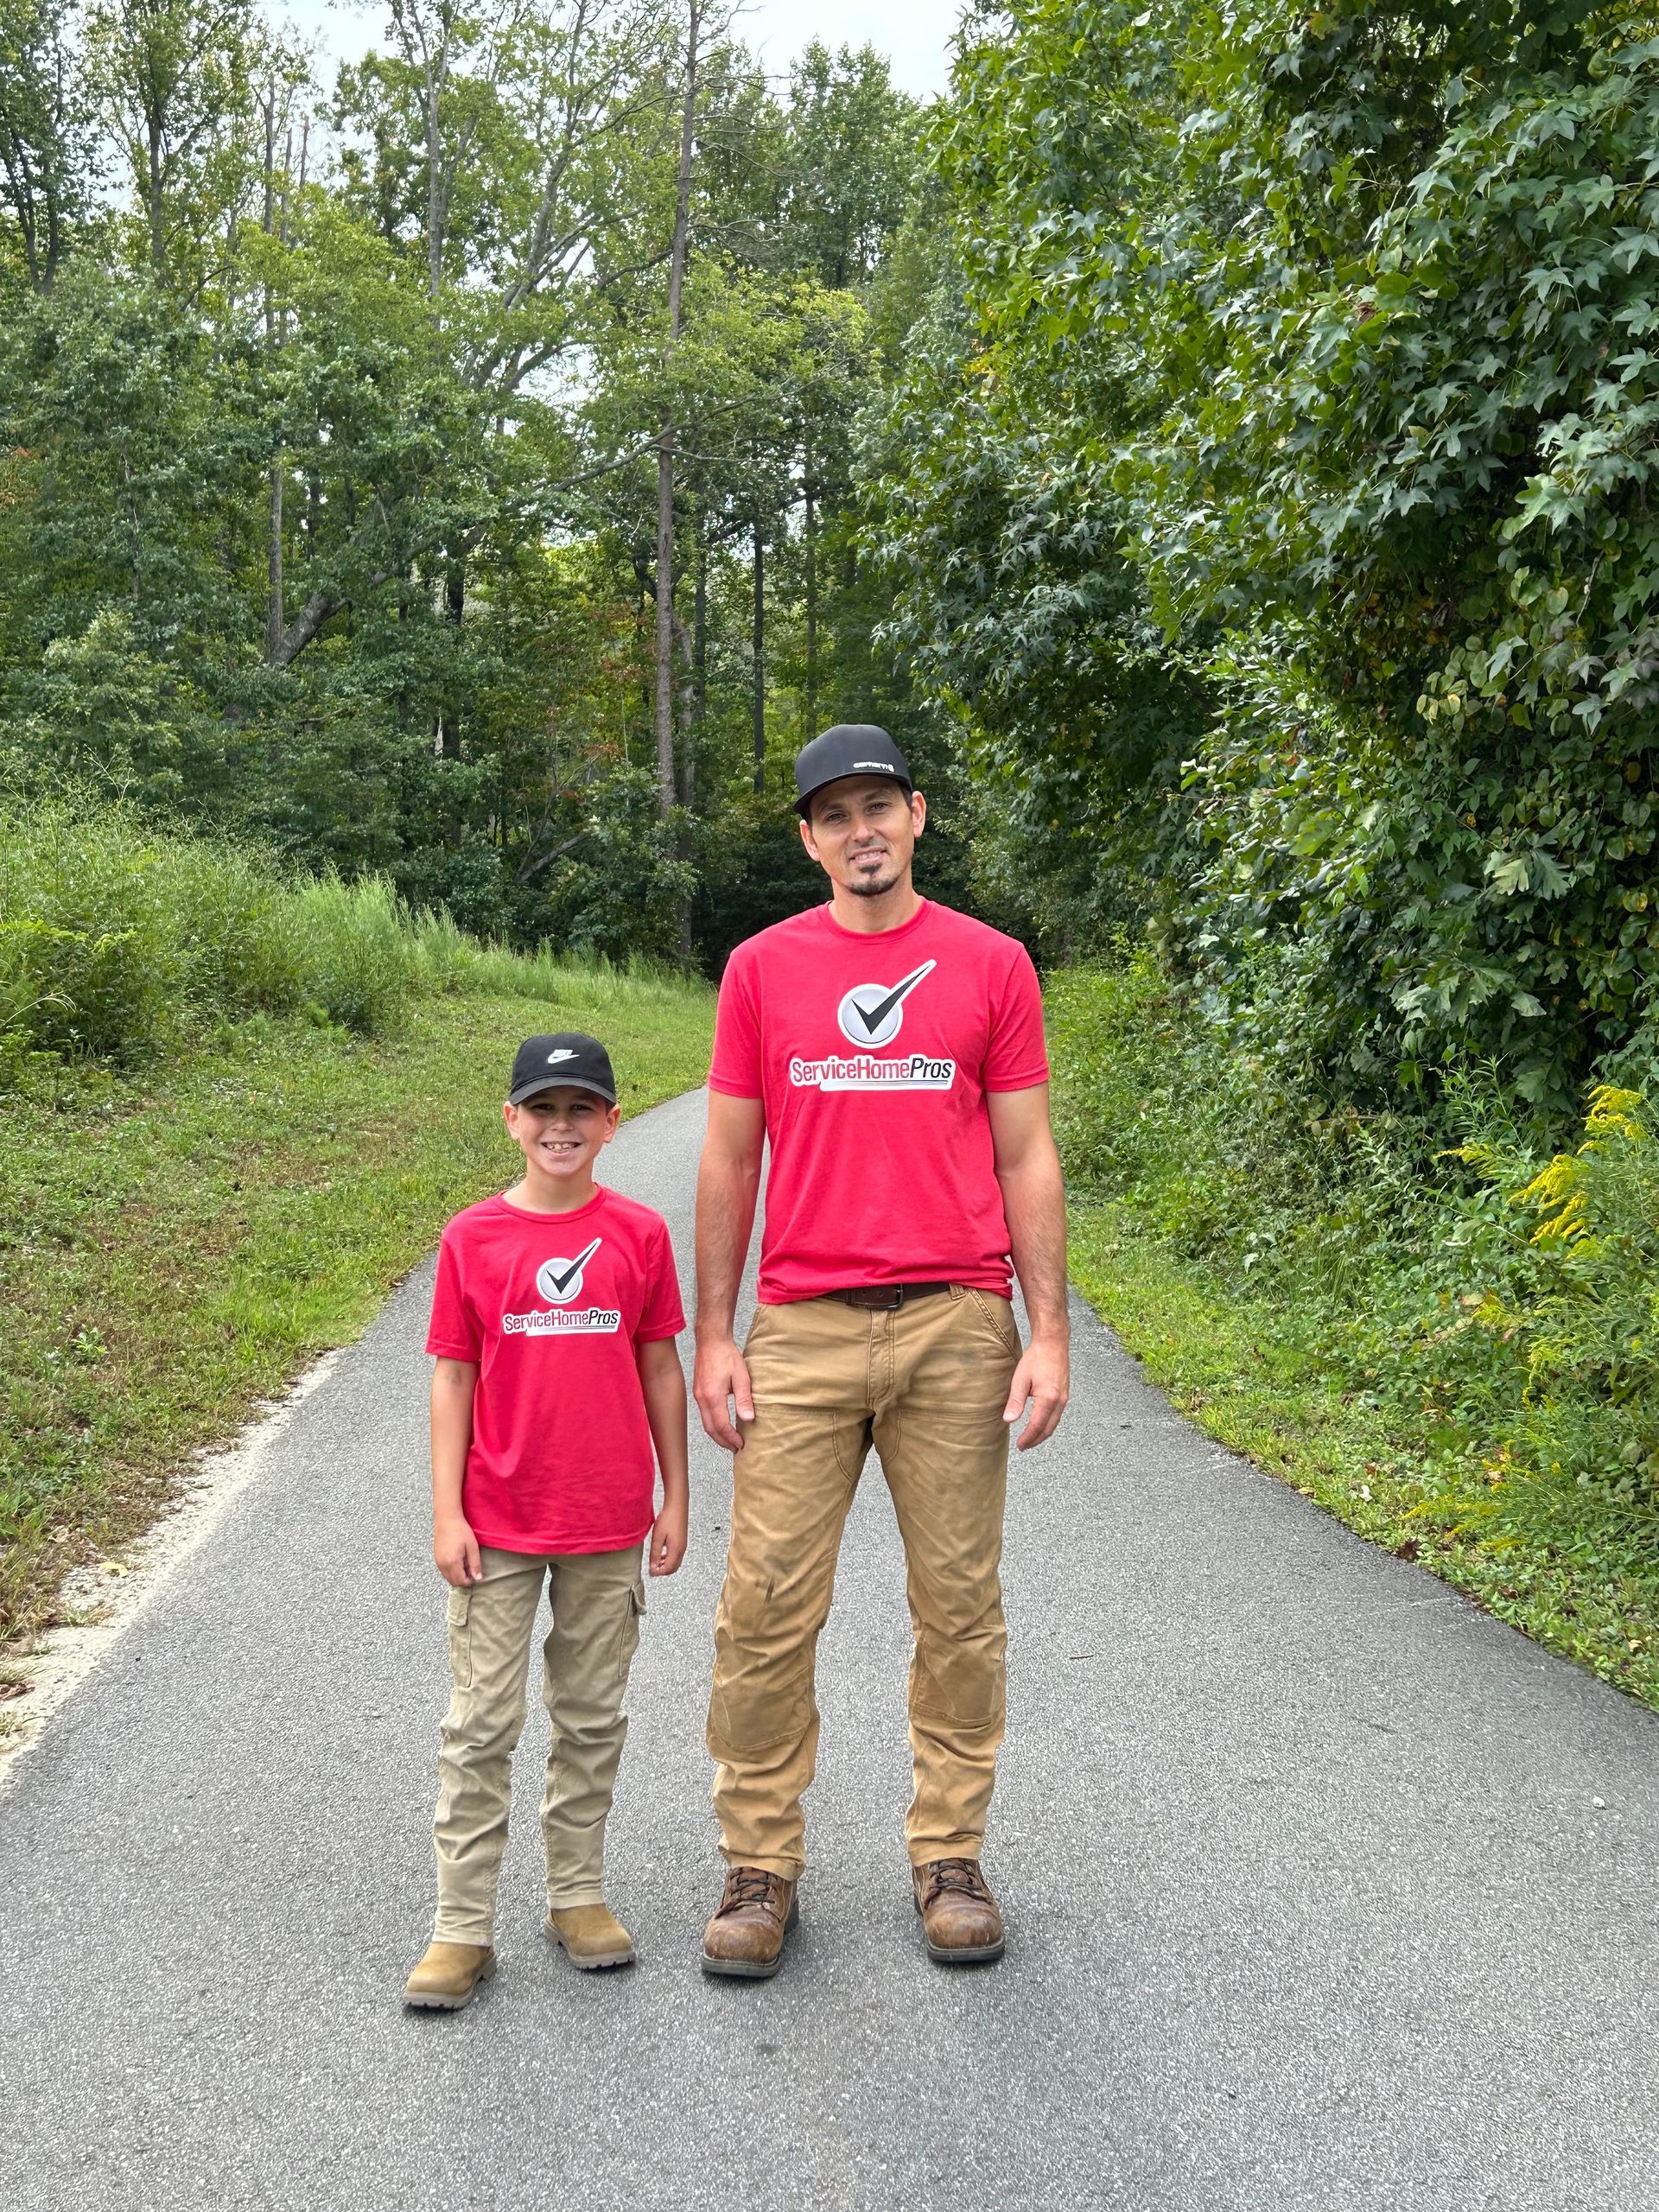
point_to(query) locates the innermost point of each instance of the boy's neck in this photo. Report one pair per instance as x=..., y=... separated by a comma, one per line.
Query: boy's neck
x=539, y=1194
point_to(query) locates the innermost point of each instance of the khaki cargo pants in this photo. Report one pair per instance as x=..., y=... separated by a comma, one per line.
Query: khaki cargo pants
x=926, y=1384
x=597, y=1598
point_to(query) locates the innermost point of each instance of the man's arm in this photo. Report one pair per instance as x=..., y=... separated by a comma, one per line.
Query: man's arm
x=663, y=1381
x=454, y=1545
x=728, y=1181
x=1033, y=1198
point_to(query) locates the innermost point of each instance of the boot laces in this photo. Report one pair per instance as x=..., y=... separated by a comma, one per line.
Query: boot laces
x=747, y=1886
x=961, y=1875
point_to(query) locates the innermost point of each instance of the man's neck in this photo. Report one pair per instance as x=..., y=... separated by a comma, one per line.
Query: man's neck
x=890, y=910
x=540, y=1194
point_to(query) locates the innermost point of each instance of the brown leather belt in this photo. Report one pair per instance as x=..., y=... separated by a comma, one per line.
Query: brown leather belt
x=886, y=1297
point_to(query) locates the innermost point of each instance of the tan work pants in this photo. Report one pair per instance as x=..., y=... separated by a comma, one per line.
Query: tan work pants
x=926, y=1384
x=597, y=1598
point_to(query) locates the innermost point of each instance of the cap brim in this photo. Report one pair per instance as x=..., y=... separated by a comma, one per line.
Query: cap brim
x=524, y=1090
x=852, y=775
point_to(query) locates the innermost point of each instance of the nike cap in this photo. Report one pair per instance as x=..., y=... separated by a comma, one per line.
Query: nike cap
x=849, y=749
x=542, y=1063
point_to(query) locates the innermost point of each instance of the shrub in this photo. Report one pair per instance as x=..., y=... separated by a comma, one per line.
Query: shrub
x=95, y=959
x=1501, y=1300
x=357, y=958
x=116, y=940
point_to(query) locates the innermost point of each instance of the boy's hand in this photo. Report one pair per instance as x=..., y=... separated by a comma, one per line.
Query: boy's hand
x=455, y=1549
x=667, y=1546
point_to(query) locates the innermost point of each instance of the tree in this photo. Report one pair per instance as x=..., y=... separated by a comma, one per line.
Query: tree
x=43, y=156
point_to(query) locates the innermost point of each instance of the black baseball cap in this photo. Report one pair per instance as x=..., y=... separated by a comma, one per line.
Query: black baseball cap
x=849, y=749
x=542, y=1063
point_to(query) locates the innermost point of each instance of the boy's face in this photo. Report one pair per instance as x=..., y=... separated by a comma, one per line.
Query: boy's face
x=561, y=1130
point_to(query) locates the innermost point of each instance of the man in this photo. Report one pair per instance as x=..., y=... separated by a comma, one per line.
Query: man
x=892, y=1051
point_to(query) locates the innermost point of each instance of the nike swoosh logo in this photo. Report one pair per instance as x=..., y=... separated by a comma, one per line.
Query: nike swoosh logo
x=562, y=1282
x=874, y=1016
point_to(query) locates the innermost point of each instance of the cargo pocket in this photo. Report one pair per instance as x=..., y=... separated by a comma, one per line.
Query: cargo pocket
x=460, y=1617
x=627, y=1633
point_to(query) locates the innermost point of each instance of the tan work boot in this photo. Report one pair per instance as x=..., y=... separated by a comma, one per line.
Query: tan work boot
x=448, y=1976
x=962, y=1924
x=591, y=1936
x=746, y=1936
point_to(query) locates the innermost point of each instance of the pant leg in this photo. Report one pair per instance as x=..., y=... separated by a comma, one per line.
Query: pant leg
x=791, y=1485
x=598, y=1597
x=944, y=1450
x=490, y=1628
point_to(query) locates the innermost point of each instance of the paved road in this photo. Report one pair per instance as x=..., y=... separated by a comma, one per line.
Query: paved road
x=1325, y=1890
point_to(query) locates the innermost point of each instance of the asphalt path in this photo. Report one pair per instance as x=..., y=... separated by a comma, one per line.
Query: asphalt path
x=1324, y=1888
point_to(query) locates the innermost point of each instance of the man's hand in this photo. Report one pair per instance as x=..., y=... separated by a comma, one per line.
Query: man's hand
x=720, y=1386
x=1043, y=1377
x=455, y=1549
x=667, y=1546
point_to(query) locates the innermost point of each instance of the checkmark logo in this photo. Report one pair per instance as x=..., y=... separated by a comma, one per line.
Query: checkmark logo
x=558, y=1281
x=872, y=1013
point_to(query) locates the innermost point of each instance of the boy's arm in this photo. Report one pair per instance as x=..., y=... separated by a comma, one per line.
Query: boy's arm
x=663, y=1384
x=728, y=1182
x=454, y=1545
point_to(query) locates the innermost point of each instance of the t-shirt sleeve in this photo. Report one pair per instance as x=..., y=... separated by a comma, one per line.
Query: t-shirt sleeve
x=662, y=1315
x=736, y=1068
x=454, y=1333
x=1016, y=1057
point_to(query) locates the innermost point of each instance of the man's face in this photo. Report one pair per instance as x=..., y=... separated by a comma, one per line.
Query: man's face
x=862, y=833
x=561, y=1130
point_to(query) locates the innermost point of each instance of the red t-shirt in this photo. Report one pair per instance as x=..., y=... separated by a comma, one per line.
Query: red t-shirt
x=551, y=1306
x=872, y=1054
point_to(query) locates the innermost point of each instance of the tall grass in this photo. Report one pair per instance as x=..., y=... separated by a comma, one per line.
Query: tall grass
x=446, y=959
x=119, y=941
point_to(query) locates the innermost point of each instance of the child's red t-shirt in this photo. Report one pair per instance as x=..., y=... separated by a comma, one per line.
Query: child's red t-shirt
x=551, y=1306
x=873, y=1053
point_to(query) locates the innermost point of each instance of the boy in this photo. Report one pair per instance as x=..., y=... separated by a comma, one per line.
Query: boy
x=553, y=1323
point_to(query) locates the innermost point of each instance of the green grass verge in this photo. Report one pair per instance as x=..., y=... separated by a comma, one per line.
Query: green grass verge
x=173, y=1249
x=1233, y=1365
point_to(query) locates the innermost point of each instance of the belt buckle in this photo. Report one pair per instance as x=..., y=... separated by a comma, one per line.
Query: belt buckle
x=878, y=1297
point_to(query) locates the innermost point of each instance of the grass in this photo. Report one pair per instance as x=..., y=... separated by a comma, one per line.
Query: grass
x=176, y=1246
x=1439, y=1331
x=1236, y=1367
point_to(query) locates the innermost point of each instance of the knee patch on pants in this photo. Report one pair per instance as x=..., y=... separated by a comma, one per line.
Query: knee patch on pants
x=963, y=1683
x=756, y=1704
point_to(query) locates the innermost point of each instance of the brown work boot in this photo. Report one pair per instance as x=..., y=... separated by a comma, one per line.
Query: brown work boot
x=448, y=1976
x=962, y=1924
x=746, y=1936
x=591, y=1936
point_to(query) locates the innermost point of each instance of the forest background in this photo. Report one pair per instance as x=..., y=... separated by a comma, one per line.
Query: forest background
x=1217, y=439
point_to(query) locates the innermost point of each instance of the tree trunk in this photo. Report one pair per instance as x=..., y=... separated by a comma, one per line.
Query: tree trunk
x=811, y=549
x=759, y=702
x=663, y=700
x=699, y=655
x=436, y=210
x=274, y=623
x=154, y=131
x=454, y=606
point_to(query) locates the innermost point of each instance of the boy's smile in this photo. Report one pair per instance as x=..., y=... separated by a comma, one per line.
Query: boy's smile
x=560, y=1133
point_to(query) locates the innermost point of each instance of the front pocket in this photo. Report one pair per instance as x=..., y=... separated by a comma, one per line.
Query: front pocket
x=458, y=1615
x=997, y=1313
